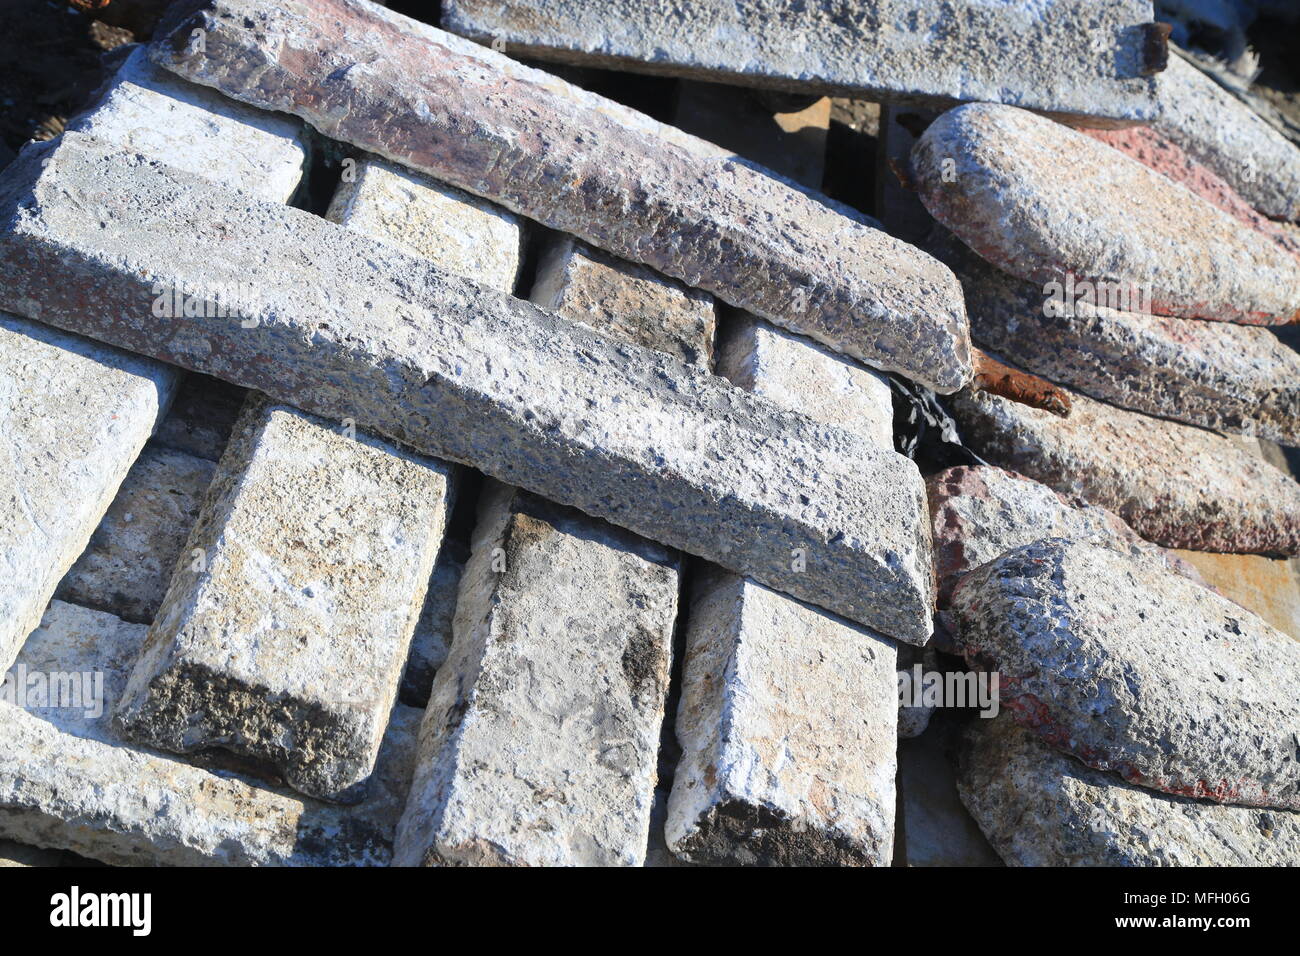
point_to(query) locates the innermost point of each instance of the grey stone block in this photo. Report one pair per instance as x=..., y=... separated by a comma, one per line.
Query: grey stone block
x=1176, y=485
x=283, y=640
x=129, y=561
x=1043, y=808
x=584, y=166
x=1113, y=659
x=1064, y=56
x=470, y=375
x=68, y=782
x=457, y=232
x=1216, y=128
x=148, y=110
x=788, y=728
x=1216, y=374
x=979, y=513
x=543, y=726
x=626, y=302
x=1057, y=208
x=800, y=375
x=74, y=415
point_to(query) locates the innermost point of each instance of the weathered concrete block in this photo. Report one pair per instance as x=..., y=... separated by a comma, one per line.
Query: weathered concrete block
x=67, y=781
x=1065, y=56
x=979, y=513
x=74, y=415
x=1131, y=668
x=1043, y=808
x=1153, y=149
x=1216, y=128
x=788, y=727
x=1050, y=205
x=151, y=111
x=626, y=302
x=284, y=639
x=1176, y=485
x=800, y=375
x=452, y=229
x=584, y=166
x=470, y=375
x=542, y=730
x=1229, y=377
x=128, y=563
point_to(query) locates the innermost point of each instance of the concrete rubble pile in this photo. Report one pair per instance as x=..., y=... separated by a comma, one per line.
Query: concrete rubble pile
x=417, y=458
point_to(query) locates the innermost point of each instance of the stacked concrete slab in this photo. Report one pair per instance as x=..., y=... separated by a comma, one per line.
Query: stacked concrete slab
x=77, y=413
x=1037, y=56
x=68, y=781
x=505, y=774
x=620, y=431
x=664, y=201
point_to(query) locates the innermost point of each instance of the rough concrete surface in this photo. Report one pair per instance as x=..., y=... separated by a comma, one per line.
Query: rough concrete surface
x=800, y=375
x=1216, y=128
x=1040, y=807
x=1065, y=56
x=128, y=563
x=68, y=782
x=452, y=229
x=788, y=727
x=1216, y=374
x=1131, y=668
x=283, y=640
x=1048, y=204
x=1176, y=485
x=542, y=733
x=979, y=513
x=471, y=375
x=625, y=301
x=577, y=164
x=74, y=415
x=148, y=110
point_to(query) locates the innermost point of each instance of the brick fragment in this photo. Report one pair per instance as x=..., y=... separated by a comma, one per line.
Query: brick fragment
x=584, y=166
